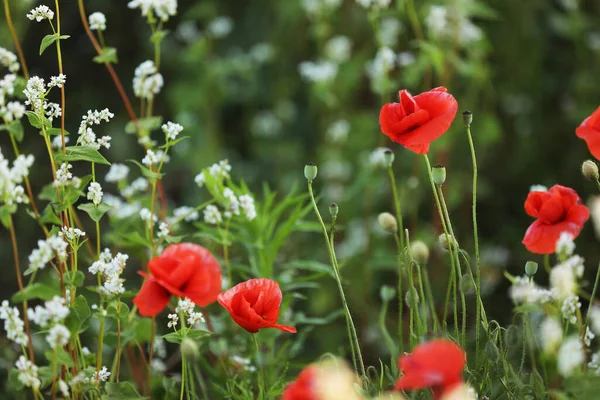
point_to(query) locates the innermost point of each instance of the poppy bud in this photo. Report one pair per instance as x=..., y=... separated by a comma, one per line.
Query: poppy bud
x=387, y=293
x=491, y=351
x=388, y=157
x=388, y=222
x=333, y=209
x=531, y=268
x=310, y=171
x=589, y=169
x=467, y=117
x=412, y=298
x=439, y=174
x=443, y=241
x=189, y=349
x=420, y=252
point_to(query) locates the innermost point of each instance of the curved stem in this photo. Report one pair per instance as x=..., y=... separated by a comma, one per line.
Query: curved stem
x=587, y=317
x=261, y=372
x=13, y=33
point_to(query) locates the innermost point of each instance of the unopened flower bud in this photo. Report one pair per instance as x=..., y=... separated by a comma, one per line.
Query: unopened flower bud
x=388, y=157
x=439, y=174
x=420, y=252
x=387, y=293
x=589, y=169
x=310, y=171
x=491, y=351
x=467, y=117
x=388, y=222
x=189, y=349
x=412, y=298
x=445, y=242
x=531, y=268
x=333, y=209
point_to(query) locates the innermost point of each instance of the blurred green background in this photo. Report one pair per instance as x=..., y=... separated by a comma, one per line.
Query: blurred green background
x=236, y=77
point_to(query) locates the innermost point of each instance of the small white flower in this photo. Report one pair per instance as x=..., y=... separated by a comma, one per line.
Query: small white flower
x=220, y=27
x=158, y=365
x=71, y=234
x=64, y=388
x=338, y=48
x=188, y=214
x=13, y=111
x=101, y=375
x=85, y=351
x=589, y=336
x=97, y=21
x=569, y=308
x=163, y=9
x=594, y=313
x=9, y=60
x=337, y=132
x=95, y=193
x=570, y=356
x=551, y=334
x=538, y=188
x=562, y=281
x=40, y=13
x=150, y=159
x=406, y=58
x=117, y=172
x=173, y=320
x=320, y=71
x=565, y=246
x=57, y=81
x=390, y=30
x=28, y=373
x=163, y=230
x=212, y=215
x=171, y=130
x=13, y=324
x=147, y=81
x=58, y=336
x=147, y=215
x=247, y=205
x=137, y=186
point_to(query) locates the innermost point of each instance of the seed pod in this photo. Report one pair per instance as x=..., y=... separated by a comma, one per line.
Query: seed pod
x=310, y=171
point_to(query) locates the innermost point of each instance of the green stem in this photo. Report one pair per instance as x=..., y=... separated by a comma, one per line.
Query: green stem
x=479, y=301
x=183, y=373
x=547, y=263
x=400, y=299
x=338, y=279
x=587, y=317
x=261, y=372
x=384, y=331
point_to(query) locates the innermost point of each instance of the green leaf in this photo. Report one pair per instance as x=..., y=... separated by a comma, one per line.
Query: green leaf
x=94, y=212
x=173, y=142
x=158, y=36
x=82, y=153
x=174, y=337
x=173, y=239
x=35, y=291
x=49, y=39
x=49, y=217
x=78, y=315
x=145, y=124
x=75, y=279
x=56, y=132
x=146, y=172
x=71, y=194
x=14, y=381
x=15, y=128
x=34, y=119
x=113, y=312
x=133, y=239
x=60, y=356
x=5, y=213
x=109, y=56
x=121, y=391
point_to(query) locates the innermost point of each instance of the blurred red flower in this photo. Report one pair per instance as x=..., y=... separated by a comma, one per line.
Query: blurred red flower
x=182, y=270
x=557, y=210
x=303, y=388
x=589, y=130
x=254, y=305
x=437, y=364
x=417, y=121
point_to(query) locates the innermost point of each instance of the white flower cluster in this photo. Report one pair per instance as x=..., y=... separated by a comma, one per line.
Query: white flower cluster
x=374, y=3
x=220, y=27
x=95, y=193
x=163, y=230
x=563, y=277
x=71, y=235
x=188, y=214
x=28, y=373
x=390, y=29
x=439, y=25
x=13, y=324
x=245, y=363
x=377, y=157
x=52, y=110
x=219, y=171
x=40, y=13
x=247, y=205
x=163, y=9
x=524, y=290
x=588, y=337
x=147, y=81
x=266, y=124
x=173, y=319
x=11, y=191
x=35, y=92
x=57, y=81
x=147, y=216
x=120, y=209
x=152, y=158
x=569, y=308
x=87, y=137
x=171, y=130
x=47, y=249
x=338, y=131
x=565, y=246
x=378, y=69
x=594, y=363
x=101, y=375
x=64, y=177
x=138, y=185
x=551, y=334
x=319, y=71
x=317, y=7
x=9, y=60
x=97, y=21
x=160, y=352
x=12, y=111
x=117, y=172
x=338, y=49
x=186, y=307
x=57, y=141
x=58, y=336
x=212, y=215
x=110, y=268
x=53, y=312
x=570, y=356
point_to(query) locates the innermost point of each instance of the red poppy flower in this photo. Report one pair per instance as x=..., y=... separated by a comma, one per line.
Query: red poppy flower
x=182, y=270
x=417, y=121
x=557, y=210
x=254, y=305
x=303, y=388
x=589, y=130
x=437, y=364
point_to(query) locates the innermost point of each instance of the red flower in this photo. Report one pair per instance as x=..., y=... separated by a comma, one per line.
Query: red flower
x=182, y=270
x=417, y=121
x=303, y=388
x=437, y=364
x=589, y=130
x=557, y=210
x=254, y=305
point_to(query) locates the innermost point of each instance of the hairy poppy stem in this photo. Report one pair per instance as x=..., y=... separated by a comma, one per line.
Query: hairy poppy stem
x=587, y=316
x=261, y=372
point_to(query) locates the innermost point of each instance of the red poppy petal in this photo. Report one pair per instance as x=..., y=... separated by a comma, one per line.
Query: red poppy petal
x=541, y=238
x=534, y=202
x=552, y=210
x=285, y=328
x=151, y=299
x=204, y=287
